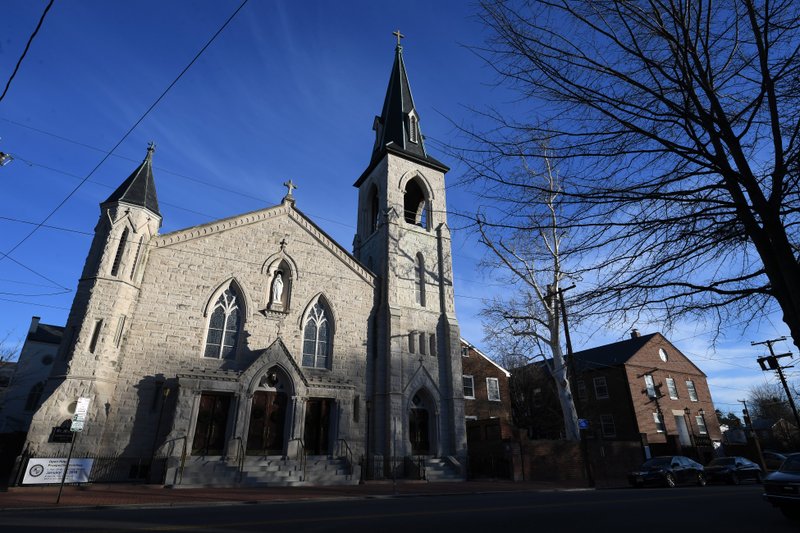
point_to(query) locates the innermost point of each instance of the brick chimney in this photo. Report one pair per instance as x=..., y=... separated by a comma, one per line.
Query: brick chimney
x=34, y=324
x=635, y=334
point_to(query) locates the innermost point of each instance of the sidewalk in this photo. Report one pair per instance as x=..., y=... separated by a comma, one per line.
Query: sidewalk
x=115, y=495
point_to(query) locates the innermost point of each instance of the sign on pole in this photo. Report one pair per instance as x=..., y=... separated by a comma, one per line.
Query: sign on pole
x=81, y=410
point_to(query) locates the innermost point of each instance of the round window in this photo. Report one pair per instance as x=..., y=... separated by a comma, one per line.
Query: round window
x=662, y=354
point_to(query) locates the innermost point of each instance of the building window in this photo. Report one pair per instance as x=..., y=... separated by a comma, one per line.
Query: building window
x=316, y=337
x=600, y=388
x=659, y=420
x=607, y=426
x=415, y=204
x=701, y=425
x=464, y=350
x=432, y=339
x=34, y=397
x=136, y=257
x=412, y=338
x=120, y=329
x=223, y=327
x=582, y=389
x=374, y=209
x=412, y=128
x=419, y=280
x=650, y=386
x=120, y=250
x=422, y=346
x=673, y=390
x=692, y=390
x=493, y=389
x=98, y=325
x=469, y=388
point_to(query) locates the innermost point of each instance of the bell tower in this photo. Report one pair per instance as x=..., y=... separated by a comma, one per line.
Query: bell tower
x=402, y=236
x=90, y=353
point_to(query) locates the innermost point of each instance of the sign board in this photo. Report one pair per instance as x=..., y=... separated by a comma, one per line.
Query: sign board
x=50, y=470
x=61, y=434
x=583, y=423
x=81, y=409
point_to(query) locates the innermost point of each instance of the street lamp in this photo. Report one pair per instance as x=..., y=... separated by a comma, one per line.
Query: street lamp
x=5, y=159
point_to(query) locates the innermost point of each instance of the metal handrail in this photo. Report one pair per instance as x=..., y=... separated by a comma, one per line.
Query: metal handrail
x=183, y=459
x=348, y=454
x=301, y=454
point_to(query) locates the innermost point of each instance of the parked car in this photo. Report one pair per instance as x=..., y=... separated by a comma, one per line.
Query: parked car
x=668, y=471
x=732, y=470
x=782, y=488
x=773, y=460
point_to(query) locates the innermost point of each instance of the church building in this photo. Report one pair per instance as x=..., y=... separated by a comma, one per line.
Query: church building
x=256, y=347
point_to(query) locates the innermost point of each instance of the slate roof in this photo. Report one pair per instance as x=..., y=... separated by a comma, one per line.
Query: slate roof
x=614, y=354
x=140, y=187
x=47, y=333
x=392, y=124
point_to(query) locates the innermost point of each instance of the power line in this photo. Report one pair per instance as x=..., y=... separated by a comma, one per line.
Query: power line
x=27, y=46
x=125, y=136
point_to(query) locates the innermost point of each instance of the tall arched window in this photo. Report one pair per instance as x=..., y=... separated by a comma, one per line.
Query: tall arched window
x=415, y=204
x=223, y=326
x=419, y=280
x=317, y=337
x=374, y=208
x=120, y=250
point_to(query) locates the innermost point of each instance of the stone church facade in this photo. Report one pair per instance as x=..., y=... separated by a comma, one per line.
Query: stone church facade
x=258, y=337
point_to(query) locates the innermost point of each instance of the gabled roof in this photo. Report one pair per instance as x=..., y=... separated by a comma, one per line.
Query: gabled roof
x=140, y=187
x=477, y=351
x=392, y=126
x=47, y=333
x=614, y=354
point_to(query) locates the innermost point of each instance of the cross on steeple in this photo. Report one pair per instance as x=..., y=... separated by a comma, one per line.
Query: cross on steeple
x=399, y=36
x=290, y=186
x=151, y=147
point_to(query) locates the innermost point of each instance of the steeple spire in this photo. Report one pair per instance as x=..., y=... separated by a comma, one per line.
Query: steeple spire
x=140, y=187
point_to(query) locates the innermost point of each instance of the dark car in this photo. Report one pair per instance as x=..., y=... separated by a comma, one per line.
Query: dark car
x=732, y=470
x=668, y=471
x=773, y=460
x=782, y=488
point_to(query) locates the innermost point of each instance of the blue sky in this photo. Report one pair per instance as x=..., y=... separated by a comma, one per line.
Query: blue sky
x=288, y=90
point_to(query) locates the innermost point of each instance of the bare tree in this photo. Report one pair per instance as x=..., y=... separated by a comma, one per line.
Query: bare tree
x=529, y=318
x=677, y=123
x=768, y=401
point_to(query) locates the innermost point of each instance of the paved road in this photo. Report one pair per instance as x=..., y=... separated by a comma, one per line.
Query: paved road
x=709, y=509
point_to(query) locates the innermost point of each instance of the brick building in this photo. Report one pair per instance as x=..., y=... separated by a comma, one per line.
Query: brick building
x=640, y=388
x=486, y=387
x=258, y=337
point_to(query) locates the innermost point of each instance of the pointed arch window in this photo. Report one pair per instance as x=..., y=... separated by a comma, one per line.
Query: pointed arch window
x=415, y=204
x=34, y=397
x=419, y=280
x=224, y=325
x=123, y=241
x=374, y=209
x=317, y=337
x=412, y=128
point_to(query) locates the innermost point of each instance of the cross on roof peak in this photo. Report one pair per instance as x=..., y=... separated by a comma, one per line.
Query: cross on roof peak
x=399, y=36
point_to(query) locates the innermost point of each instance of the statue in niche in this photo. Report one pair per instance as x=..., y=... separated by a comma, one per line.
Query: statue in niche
x=277, y=289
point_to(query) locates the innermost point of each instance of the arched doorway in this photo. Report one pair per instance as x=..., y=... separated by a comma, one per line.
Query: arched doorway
x=419, y=422
x=266, y=434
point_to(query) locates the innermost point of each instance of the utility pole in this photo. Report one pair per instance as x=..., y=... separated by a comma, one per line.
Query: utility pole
x=749, y=423
x=770, y=362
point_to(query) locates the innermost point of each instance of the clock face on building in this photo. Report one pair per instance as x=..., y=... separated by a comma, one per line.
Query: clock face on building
x=662, y=354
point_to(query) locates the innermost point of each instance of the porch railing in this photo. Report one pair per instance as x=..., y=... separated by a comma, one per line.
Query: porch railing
x=301, y=454
x=345, y=451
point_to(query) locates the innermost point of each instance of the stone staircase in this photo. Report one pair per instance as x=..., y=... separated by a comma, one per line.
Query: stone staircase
x=439, y=469
x=269, y=472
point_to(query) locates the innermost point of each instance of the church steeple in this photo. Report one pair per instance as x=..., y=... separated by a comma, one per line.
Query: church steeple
x=397, y=129
x=140, y=187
